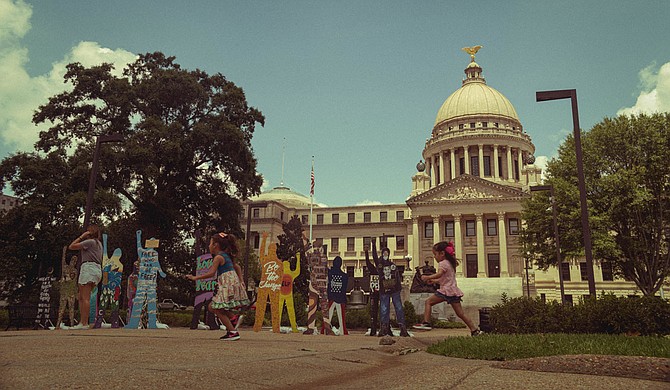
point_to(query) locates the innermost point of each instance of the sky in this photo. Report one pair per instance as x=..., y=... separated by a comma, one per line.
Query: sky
x=355, y=84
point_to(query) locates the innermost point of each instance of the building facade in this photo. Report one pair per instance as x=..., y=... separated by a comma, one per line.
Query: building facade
x=478, y=165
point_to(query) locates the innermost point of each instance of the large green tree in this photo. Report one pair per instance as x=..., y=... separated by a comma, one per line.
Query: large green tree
x=627, y=174
x=185, y=160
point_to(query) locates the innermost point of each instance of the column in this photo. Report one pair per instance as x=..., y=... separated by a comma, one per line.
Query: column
x=466, y=154
x=510, y=176
x=432, y=172
x=481, y=160
x=520, y=157
x=502, y=242
x=437, y=235
x=458, y=243
x=415, y=242
x=481, y=261
x=452, y=154
x=495, y=163
x=443, y=173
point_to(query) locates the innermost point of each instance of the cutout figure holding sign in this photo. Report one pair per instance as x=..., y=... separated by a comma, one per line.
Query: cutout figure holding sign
x=269, y=286
x=337, y=293
x=112, y=271
x=146, y=285
x=67, y=287
x=286, y=292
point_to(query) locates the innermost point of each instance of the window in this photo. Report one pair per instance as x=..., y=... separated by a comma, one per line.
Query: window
x=461, y=126
x=351, y=217
x=350, y=272
x=335, y=244
x=485, y=124
x=565, y=271
x=449, y=229
x=281, y=216
x=472, y=125
x=608, y=272
x=500, y=167
x=319, y=219
x=470, y=229
x=304, y=219
x=487, y=166
x=336, y=218
x=491, y=227
x=367, y=217
x=474, y=165
x=383, y=242
x=471, y=266
x=383, y=216
x=583, y=270
x=366, y=242
x=256, y=213
x=461, y=162
x=399, y=215
x=568, y=299
x=400, y=243
x=495, y=124
x=494, y=265
x=257, y=241
x=543, y=297
x=428, y=230
x=350, y=244
x=513, y=225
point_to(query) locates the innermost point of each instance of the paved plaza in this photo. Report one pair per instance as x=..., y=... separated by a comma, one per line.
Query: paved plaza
x=181, y=358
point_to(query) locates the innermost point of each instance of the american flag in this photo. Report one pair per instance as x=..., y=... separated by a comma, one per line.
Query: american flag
x=311, y=191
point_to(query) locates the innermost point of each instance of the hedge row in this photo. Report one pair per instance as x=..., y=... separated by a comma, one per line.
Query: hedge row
x=605, y=314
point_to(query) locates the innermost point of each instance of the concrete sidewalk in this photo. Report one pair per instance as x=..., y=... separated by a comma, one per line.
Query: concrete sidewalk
x=183, y=358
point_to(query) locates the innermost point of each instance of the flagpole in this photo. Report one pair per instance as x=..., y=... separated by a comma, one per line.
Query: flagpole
x=311, y=202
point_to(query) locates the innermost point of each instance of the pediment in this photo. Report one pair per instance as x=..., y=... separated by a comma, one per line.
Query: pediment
x=467, y=188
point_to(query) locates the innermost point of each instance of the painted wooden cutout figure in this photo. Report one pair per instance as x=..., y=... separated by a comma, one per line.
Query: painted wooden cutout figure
x=44, y=305
x=286, y=291
x=131, y=288
x=269, y=286
x=146, y=285
x=337, y=293
x=318, y=292
x=204, y=288
x=112, y=271
x=67, y=286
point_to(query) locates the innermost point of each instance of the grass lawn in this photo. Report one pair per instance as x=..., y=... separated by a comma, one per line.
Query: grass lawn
x=510, y=347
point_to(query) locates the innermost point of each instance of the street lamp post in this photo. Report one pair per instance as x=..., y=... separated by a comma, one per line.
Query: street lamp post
x=94, y=173
x=571, y=94
x=559, y=259
x=250, y=206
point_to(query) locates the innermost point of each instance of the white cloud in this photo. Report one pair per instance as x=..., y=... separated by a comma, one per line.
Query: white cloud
x=655, y=91
x=369, y=203
x=20, y=93
x=541, y=162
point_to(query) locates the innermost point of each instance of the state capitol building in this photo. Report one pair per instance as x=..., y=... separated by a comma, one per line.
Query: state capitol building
x=479, y=165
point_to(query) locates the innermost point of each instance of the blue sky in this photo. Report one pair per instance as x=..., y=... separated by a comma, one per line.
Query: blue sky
x=356, y=84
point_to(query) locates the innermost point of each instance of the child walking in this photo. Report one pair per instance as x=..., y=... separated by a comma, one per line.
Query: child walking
x=448, y=291
x=231, y=292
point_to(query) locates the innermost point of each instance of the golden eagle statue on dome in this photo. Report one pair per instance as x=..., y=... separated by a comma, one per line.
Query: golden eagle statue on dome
x=472, y=51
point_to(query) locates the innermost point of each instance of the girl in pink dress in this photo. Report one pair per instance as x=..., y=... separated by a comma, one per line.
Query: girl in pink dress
x=448, y=291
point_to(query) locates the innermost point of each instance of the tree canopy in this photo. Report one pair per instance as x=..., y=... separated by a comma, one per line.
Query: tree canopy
x=627, y=175
x=184, y=163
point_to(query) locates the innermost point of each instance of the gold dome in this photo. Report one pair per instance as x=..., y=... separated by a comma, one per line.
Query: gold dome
x=475, y=98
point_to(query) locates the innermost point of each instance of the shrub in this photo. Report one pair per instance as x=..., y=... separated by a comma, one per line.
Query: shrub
x=605, y=314
x=410, y=314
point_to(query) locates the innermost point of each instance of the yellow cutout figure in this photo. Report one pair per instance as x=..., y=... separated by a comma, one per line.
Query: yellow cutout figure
x=269, y=286
x=286, y=292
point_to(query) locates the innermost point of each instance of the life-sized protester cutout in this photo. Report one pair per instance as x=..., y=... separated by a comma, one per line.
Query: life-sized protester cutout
x=146, y=285
x=337, y=293
x=112, y=272
x=318, y=292
x=204, y=290
x=286, y=292
x=67, y=286
x=269, y=286
x=44, y=305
